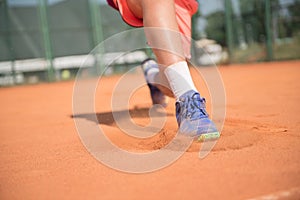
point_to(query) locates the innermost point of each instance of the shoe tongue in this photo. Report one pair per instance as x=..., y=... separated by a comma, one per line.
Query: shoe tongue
x=196, y=96
x=198, y=100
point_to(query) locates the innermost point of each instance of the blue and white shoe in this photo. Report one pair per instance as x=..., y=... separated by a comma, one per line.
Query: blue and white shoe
x=192, y=118
x=156, y=95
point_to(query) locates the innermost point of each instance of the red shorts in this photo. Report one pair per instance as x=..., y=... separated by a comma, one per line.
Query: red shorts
x=184, y=11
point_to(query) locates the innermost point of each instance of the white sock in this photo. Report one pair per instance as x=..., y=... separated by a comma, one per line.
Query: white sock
x=179, y=78
x=151, y=74
x=152, y=71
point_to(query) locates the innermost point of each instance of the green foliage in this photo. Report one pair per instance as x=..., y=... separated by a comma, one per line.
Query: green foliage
x=215, y=28
x=295, y=16
x=253, y=18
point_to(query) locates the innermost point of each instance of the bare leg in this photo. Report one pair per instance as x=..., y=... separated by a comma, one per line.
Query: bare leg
x=169, y=53
x=165, y=42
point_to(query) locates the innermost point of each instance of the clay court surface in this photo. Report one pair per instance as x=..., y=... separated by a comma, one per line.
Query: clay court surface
x=257, y=156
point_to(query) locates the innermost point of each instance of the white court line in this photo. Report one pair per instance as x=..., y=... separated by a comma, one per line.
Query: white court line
x=293, y=193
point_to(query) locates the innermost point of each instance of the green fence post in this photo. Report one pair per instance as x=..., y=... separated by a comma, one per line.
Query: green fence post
x=46, y=39
x=97, y=34
x=268, y=30
x=9, y=42
x=228, y=27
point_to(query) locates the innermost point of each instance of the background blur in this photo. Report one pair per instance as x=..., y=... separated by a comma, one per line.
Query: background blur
x=48, y=40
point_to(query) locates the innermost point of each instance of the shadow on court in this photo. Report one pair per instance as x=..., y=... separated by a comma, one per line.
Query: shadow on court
x=108, y=118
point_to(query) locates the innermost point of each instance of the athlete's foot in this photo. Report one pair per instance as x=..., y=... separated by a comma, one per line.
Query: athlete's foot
x=192, y=118
x=156, y=95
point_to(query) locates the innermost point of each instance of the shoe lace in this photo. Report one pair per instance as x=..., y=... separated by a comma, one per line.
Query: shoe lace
x=195, y=107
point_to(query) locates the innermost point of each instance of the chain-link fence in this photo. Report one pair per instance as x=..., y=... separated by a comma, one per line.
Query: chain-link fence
x=46, y=40
x=266, y=30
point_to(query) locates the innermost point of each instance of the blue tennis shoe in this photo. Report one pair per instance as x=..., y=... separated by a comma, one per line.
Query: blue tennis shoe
x=193, y=119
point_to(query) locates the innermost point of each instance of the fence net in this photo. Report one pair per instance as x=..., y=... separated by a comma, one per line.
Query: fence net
x=37, y=35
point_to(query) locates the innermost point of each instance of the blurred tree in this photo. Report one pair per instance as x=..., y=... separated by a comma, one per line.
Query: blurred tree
x=253, y=17
x=294, y=10
x=215, y=28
